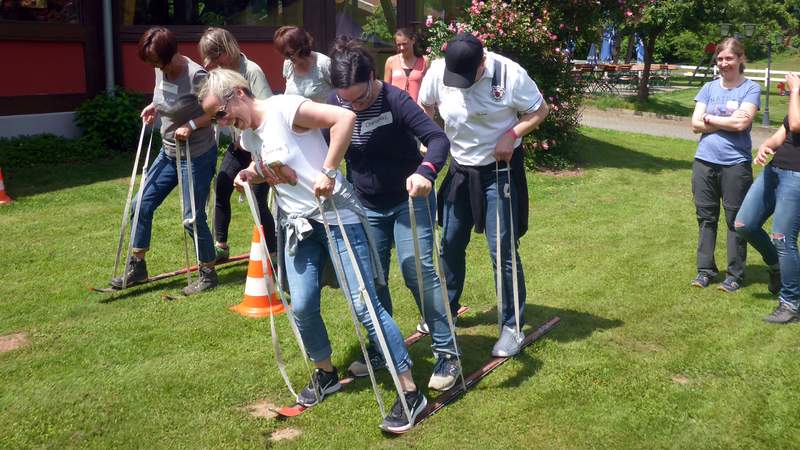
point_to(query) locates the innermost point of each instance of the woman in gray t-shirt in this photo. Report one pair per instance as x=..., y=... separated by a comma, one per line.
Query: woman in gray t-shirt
x=307, y=73
x=184, y=125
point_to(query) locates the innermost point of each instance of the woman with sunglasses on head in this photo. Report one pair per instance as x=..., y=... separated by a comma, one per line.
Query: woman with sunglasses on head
x=407, y=68
x=386, y=168
x=285, y=129
x=219, y=48
x=307, y=72
x=184, y=125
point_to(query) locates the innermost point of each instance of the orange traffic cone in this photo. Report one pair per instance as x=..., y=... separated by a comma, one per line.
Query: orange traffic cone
x=258, y=302
x=4, y=198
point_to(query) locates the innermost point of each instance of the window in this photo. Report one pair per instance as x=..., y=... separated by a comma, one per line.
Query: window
x=213, y=12
x=444, y=9
x=373, y=21
x=58, y=11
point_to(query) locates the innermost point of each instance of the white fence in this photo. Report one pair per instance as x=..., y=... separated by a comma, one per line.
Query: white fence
x=776, y=76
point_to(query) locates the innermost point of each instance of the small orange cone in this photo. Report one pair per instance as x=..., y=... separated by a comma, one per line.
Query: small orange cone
x=258, y=302
x=4, y=198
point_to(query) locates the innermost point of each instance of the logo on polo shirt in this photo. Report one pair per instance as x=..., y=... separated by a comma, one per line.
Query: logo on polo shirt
x=497, y=93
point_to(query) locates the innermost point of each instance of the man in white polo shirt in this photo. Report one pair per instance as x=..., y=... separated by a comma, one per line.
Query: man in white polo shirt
x=488, y=102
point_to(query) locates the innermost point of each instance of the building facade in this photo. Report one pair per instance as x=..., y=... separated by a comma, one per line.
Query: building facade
x=58, y=53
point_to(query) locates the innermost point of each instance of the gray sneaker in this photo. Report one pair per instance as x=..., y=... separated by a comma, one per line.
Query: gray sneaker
x=445, y=373
x=783, y=314
x=509, y=343
x=322, y=383
x=137, y=273
x=206, y=280
x=359, y=369
x=221, y=253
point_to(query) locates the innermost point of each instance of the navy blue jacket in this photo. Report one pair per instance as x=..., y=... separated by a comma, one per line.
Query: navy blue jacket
x=378, y=169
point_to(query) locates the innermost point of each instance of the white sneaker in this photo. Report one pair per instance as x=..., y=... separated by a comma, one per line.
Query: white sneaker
x=509, y=343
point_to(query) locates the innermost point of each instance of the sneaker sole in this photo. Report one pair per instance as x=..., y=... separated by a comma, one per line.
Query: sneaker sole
x=698, y=285
x=724, y=289
x=410, y=425
x=443, y=388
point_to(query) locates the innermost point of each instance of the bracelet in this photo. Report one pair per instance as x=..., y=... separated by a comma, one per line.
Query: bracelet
x=512, y=133
x=429, y=165
x=705, y=118
x=193, y=125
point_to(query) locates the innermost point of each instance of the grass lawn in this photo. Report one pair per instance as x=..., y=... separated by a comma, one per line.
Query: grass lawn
x=640, y=359
x=681, y=103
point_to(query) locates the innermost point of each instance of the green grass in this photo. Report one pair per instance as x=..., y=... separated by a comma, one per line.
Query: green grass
x=780, y=61
x=610, y=251
x=680, y=102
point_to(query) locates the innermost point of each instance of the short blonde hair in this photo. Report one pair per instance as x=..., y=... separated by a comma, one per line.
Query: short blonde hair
x=215, y=42
x=223, y=83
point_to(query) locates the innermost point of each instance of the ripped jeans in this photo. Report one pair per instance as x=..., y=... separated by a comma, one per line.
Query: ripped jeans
x=775, y=193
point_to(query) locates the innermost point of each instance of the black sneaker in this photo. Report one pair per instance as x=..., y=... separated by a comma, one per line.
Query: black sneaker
x=206, y=280
x=702, y=280
x=729, y=285
x=322, y=383
x=783, y=314
x=397, y=421
x=774, y=284
x=359, y=367
x=445, y=373
x=137, y=273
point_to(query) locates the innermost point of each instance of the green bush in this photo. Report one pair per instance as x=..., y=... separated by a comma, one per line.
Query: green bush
x=112, y=120
x=26, y=151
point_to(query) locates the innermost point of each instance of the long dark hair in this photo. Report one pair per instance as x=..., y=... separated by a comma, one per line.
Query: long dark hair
x=350, y=63
x=409, y=33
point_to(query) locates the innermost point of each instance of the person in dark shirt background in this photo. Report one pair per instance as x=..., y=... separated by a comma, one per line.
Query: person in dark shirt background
x=386, y=167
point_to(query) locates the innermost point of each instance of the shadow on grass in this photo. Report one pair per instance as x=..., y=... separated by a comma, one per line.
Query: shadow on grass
x=596, y=153
x=26, y=181
x=172, y=286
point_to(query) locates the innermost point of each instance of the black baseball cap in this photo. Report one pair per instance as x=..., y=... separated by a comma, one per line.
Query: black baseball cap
x=462, y=57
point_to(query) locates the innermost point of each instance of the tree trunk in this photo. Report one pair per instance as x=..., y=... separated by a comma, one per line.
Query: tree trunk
x=629, y=50
x=650, y=45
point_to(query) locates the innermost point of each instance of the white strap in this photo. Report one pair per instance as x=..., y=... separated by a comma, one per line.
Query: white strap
x=190, y=176
x=126, y=211
x=265, y=262
x=180, y=198
x=506, y=193
x=442, y=284
x=345, y=286
x=139, y=195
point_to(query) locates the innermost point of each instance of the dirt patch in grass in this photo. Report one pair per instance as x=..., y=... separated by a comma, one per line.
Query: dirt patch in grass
x=13, y=341
x=680, y=379
x=285, y=434
x=562, y=173
x=262, y=409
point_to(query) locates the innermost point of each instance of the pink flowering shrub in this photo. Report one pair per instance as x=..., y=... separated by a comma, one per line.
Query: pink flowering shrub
x=528, y=33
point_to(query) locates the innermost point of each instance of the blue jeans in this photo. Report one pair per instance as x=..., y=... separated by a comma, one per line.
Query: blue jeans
x=776, y=193
x=392, y=226
x=303, y=271
x=162, y=177
x=458, y=222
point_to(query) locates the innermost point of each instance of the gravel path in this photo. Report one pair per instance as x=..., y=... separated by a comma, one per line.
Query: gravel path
x=653, y=124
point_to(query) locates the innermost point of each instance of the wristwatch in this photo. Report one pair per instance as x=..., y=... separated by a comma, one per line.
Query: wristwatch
x=330, y=173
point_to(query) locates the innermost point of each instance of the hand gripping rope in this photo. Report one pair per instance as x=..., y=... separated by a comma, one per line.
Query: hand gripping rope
x=265, y=261
x=439, y=273
x=135, y=222
x=183, y=203
x=127, y=209
x=365, y=297
x=506, y=193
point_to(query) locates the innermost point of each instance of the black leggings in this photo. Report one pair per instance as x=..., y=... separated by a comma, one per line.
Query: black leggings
x=233, y=162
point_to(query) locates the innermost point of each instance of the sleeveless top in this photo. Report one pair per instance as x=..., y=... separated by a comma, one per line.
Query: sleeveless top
x=408, y=80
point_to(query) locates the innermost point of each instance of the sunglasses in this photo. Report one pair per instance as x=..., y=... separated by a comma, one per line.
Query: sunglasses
x=361, y=98
x=221, y=113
